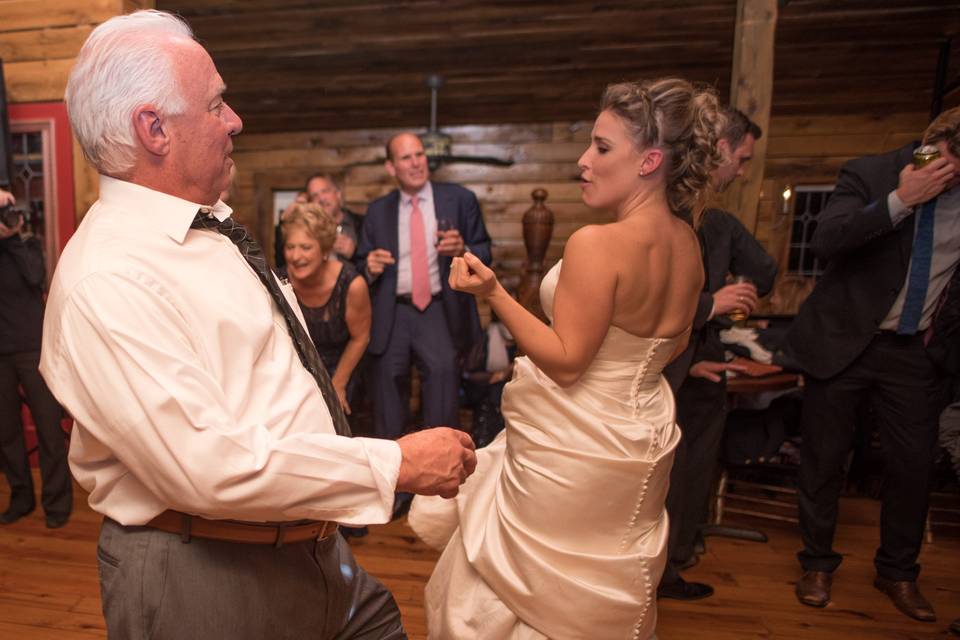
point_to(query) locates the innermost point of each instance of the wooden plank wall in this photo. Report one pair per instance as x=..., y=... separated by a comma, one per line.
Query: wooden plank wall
x=810, y=151
x=801, y=151
x=545, y=156
x=38, y=44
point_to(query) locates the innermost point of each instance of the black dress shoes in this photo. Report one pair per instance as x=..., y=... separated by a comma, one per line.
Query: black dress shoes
x=680, y=589
x=12, y=514
x=813, y=589
x=907, y=597
x=954, y=627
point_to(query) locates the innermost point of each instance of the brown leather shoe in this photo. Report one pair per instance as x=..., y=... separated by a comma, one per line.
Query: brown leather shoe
x=906, y=597
x=813, y=589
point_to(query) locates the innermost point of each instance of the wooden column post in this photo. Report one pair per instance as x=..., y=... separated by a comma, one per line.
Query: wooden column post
x=537, y=231
x=751, y=91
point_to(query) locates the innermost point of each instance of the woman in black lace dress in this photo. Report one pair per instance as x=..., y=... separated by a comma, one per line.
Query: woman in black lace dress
x=332, y=294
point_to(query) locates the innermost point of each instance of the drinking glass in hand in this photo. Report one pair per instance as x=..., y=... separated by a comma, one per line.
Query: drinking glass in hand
x=739, y=315
x=443, y=225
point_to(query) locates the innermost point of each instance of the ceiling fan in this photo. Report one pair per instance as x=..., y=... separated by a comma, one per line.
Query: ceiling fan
x=437, y=144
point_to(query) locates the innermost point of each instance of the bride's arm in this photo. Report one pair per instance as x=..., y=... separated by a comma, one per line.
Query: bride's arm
x=582, y=310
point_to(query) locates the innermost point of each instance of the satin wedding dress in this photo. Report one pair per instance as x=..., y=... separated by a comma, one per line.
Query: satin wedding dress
x=561, y=532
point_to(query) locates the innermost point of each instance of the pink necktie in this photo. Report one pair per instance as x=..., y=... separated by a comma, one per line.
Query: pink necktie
x=419, y=268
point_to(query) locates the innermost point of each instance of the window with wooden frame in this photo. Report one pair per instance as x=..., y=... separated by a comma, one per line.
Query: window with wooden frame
x=42, y=179
x=807, y=202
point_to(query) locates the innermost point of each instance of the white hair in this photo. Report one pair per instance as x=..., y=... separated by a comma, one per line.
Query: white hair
x=123, y=64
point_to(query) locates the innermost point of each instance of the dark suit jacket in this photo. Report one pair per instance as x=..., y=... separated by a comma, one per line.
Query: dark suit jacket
x=381, y=231
x=866, y=265
x=727, y=248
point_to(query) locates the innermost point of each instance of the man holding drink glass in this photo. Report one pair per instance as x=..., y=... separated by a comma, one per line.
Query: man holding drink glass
x=698, y=375
x=890, y=238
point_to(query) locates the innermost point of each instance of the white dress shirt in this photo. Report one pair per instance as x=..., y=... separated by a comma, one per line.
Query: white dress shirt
x=186, y=388
x=946, y=253
x=428, y=210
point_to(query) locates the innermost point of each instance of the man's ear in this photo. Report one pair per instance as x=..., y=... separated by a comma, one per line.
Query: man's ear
x=149, y=129
x=392, y=170
x=652, y=159
x=726, y=152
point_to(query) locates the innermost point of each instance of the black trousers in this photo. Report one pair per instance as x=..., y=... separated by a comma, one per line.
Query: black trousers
x=701, y=414
x=57, y=494
x=895, y=374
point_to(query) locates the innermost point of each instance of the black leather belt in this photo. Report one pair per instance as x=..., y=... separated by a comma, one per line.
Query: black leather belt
x=891, y=334
x=406, y=298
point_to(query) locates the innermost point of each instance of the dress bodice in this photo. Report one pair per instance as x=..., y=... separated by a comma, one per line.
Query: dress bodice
x=625, y=363
x=562, y=529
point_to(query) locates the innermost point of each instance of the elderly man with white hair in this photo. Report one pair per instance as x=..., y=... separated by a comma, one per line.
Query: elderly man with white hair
x=207, y=432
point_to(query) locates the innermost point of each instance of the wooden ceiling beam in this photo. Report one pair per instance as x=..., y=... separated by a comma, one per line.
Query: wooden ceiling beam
x=751, y=91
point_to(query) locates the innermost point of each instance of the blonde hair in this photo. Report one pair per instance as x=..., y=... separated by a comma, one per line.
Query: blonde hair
x=681, y=119
x=313, y=219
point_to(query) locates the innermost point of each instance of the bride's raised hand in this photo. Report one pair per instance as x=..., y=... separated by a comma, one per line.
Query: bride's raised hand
x=470, y=275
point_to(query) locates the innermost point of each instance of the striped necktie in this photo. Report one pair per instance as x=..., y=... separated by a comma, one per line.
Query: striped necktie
x=304, y=346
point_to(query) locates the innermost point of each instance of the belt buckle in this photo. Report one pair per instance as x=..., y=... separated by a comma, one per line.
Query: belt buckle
x=327, y=530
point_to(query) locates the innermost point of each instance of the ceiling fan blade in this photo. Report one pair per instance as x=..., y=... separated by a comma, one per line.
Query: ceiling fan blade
x=499, y=162
x=366, y=163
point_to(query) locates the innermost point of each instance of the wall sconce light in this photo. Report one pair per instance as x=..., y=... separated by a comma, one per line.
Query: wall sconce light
x=786, y=195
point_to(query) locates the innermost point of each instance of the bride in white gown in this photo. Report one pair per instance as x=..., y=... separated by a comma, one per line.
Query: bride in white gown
x=561, y=532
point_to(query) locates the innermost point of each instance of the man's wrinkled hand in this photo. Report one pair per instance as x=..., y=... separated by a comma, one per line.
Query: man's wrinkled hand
x=920, y=185
x=742, y=296
x=435, y=461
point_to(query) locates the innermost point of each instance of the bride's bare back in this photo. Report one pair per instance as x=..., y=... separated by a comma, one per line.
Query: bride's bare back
x=659, y=275
x=641, y=274
x=653, y=147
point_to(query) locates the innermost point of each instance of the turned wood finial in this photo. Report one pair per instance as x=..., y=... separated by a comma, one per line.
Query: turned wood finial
x=537, y=230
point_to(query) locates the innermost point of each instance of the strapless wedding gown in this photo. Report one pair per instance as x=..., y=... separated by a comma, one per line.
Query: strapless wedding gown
x=561, y=532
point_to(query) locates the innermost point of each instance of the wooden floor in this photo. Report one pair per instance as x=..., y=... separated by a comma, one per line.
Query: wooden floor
x=49, y=588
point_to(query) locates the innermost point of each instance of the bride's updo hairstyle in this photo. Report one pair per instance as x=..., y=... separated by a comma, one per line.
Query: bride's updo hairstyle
x=683, y=121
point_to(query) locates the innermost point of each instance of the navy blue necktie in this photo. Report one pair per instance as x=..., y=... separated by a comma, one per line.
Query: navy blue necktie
x=302, y=343
x=919, y=278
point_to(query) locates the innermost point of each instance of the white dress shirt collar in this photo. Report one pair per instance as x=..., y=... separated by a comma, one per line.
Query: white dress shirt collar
x=424, y=195
x=168, y=213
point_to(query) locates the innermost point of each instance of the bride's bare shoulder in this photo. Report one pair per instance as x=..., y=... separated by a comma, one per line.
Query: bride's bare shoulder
x=589, y=238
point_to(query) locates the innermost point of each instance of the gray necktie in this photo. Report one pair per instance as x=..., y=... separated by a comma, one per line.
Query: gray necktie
x=252, y=253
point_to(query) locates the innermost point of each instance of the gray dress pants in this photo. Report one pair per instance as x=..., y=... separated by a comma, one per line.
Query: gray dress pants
x=155, y=586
